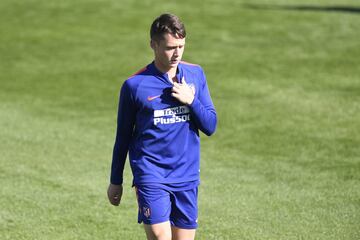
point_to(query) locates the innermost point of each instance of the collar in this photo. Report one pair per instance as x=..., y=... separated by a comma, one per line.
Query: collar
x=164, y=76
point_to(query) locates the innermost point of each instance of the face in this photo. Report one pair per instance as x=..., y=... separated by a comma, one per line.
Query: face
x=168, y=52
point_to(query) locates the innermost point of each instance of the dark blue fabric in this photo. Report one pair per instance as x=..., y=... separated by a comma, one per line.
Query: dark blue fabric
x=160, y=133
x=157, y=205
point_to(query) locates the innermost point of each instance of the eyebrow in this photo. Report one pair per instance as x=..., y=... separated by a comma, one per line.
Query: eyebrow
x=174, y=46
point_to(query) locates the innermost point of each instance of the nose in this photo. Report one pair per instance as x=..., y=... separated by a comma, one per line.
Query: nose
x=176, y=52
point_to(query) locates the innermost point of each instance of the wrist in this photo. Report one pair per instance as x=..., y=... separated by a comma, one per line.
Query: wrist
x=191, y=100
x=115, y=185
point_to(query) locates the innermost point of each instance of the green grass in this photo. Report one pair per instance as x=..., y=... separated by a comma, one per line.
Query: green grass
x=283, y=164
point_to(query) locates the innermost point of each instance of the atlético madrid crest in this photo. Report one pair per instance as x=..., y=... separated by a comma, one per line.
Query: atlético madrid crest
x=146, y=211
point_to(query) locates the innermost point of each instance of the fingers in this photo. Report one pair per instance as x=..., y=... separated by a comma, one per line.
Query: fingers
x=181, y=89
x=175, y=95
x=175, y=89
x=183, y=80
x=182, y=92
x=176, y=85
x=114, y=194
x=179, y=86
x=115, y=200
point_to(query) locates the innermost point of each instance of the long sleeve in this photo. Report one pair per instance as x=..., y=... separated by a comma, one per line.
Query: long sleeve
x=203, y=110
x=125, y=125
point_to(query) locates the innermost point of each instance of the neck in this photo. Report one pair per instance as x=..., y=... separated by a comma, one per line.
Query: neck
x=171, y=72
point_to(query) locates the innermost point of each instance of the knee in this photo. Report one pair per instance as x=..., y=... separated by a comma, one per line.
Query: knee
x=163, y=236
x=158, y=232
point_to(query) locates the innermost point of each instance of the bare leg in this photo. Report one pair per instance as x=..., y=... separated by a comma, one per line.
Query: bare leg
x=160, y=231
x=182, y=234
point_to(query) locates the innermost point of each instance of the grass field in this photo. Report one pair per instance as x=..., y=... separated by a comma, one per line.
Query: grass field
x=284, y=77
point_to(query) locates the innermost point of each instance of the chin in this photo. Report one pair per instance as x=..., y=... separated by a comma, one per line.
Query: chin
x=174, y=64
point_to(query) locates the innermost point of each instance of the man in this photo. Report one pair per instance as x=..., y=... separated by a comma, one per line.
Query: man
x=161, y=110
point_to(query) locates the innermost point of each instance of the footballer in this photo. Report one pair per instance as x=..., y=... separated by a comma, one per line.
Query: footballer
x=162, y=109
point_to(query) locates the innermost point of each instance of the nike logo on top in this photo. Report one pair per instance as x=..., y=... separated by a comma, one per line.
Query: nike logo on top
x=150, y=98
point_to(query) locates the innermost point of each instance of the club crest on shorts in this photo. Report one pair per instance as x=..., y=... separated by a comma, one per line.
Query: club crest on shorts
x=146, y=211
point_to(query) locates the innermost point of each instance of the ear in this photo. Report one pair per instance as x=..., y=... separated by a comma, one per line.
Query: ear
x=152, y=44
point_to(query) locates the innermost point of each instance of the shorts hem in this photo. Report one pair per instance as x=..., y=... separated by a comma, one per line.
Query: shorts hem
x=183, y=226
x=152, y=222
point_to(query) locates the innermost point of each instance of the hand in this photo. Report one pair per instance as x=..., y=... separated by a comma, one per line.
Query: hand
x=182, y=92
x=114, y=193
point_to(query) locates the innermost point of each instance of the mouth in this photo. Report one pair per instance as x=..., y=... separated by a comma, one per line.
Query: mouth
x=174, y=61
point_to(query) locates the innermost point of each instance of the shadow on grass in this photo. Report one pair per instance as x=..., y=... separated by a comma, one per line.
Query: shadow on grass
x=344, y=9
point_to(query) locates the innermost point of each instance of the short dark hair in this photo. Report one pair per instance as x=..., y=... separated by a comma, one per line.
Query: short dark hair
x=167, y=23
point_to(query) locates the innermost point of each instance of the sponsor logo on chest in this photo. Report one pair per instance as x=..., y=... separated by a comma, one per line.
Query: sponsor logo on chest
x=172, y=115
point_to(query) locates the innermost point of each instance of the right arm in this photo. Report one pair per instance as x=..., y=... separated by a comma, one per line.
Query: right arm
x=124, y=131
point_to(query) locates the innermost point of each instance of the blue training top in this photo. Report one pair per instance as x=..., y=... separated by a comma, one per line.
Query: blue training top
x=160, y=133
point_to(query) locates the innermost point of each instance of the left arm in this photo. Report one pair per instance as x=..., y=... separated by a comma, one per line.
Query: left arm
x=202, y=108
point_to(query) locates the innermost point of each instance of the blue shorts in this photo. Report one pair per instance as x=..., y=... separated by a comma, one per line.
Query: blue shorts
x=157, y=205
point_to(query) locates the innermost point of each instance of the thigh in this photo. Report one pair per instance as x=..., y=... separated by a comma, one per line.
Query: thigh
x=159, y=231
x=154, y=205
x=184, y=212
